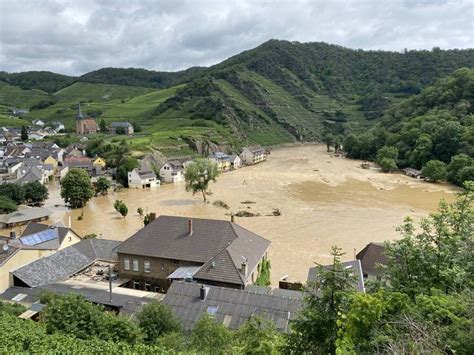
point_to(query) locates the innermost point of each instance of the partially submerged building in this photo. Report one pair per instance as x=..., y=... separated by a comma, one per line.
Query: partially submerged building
x=352, y=268
x=24, y=216
x=253, y=154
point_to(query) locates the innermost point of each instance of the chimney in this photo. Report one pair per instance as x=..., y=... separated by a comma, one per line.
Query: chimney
x=203, y=291
x=13, y=235
x=232, y=218
x=152, y=216
x=244, y=268
x=190, y=227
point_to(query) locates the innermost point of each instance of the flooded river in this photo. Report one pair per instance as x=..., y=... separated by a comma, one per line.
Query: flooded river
x=324, y=201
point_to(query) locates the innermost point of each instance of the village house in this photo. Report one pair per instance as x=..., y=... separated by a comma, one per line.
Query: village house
x=232, y=307
x=38, y=123
x=213, y=252
x=371, y=258
x=235, y=162
x=125, y=127
x=173, y=170
x=99, y=162
x=253, y=155
x=414, y=173
x=24, y=216
x=142, y=177
x=222, y=160
x=36, y=241
x=85, y=126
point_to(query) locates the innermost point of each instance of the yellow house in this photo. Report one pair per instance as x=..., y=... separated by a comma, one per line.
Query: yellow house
x=99, y=162
x=52, y=161
x=37, y=241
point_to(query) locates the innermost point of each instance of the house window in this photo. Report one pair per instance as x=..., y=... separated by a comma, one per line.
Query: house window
x=174, y=261
x=136, y=285
x=146, y=266
x=135, y=265
x=126, y=264
x=147, y=286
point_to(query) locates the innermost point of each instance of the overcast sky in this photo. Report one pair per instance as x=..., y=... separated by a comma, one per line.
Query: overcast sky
x=77, y=36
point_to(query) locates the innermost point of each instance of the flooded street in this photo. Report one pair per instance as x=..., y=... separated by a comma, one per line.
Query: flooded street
x=323, y=200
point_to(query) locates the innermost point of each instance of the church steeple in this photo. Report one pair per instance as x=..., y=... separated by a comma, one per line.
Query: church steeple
x=79, y=115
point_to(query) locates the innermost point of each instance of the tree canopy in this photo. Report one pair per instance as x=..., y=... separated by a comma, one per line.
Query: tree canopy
x=199, y=174
x=76, y=188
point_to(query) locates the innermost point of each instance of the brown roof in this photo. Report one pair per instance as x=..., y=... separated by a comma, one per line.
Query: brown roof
x=223, y=242
x=371, y=256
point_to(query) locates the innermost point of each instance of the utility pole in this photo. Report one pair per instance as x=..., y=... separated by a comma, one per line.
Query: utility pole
x=110, y=284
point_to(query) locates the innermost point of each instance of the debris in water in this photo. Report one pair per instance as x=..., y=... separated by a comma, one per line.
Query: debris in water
x=247, y=202
x=220, y=203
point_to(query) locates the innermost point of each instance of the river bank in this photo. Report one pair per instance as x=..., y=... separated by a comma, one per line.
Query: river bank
x=324, y=200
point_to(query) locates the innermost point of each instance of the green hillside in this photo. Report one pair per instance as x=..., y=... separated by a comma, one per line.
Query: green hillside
x=278, y=92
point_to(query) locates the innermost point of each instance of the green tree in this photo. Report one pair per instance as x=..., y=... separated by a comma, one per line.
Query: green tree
x=329, y=140
x=199, y=174
x=103, y=185
x=387, y=165
x=263, y=278
x=157, y=319
x=71, y=314
x=13, y=191
x=438, y=254
x=314, y=331
x=125, y=165
x=458, y=162
x=210, y=337
x=7, y=205
x=103, y=126
x=386, y=158
x=466, y=174
x=35, y=192
x=140, y=211
x=76, y=188
x=24, y=134
x=258, y=336
x=120, y=130
x=121, y=208
x=434, y=170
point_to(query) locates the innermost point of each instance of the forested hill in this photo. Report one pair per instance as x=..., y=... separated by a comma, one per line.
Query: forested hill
x=286, y=90
x=437, y=124
x=278, y=92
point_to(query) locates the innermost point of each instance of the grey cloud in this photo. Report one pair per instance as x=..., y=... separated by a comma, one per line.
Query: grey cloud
x=74, y=37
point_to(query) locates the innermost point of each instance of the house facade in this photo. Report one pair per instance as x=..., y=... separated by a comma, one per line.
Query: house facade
x=171, y=248
x=253, y=155
x=235, y=162
x=222, y=160
x=140, y=178
x=173, y=170
x=127, y=127
x=372, y=257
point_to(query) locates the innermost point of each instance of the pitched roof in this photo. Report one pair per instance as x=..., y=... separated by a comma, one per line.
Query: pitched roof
x=370, y=256
x=66, y=262
x=232, y=307
x=7, y=253
x=35, y=228
x=228, y=244
x=24, y=215
x=255, y=148
x=353, y=267
x=120, y=124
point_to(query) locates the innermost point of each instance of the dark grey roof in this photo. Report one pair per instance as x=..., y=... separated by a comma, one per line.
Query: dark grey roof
x=353, y=268
x=33, y=228
x=256, y=148
x=232, y=307
x=129, y=304
x=372, y=256
x=228, y=244
x=120, y=124
x=7, y=254
x=66, y=262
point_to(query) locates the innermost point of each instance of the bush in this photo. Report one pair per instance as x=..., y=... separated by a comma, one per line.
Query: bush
x=434, y=170
x=157, y=319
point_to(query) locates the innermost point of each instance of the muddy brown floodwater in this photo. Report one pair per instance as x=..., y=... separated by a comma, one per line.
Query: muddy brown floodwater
x=324, y=201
